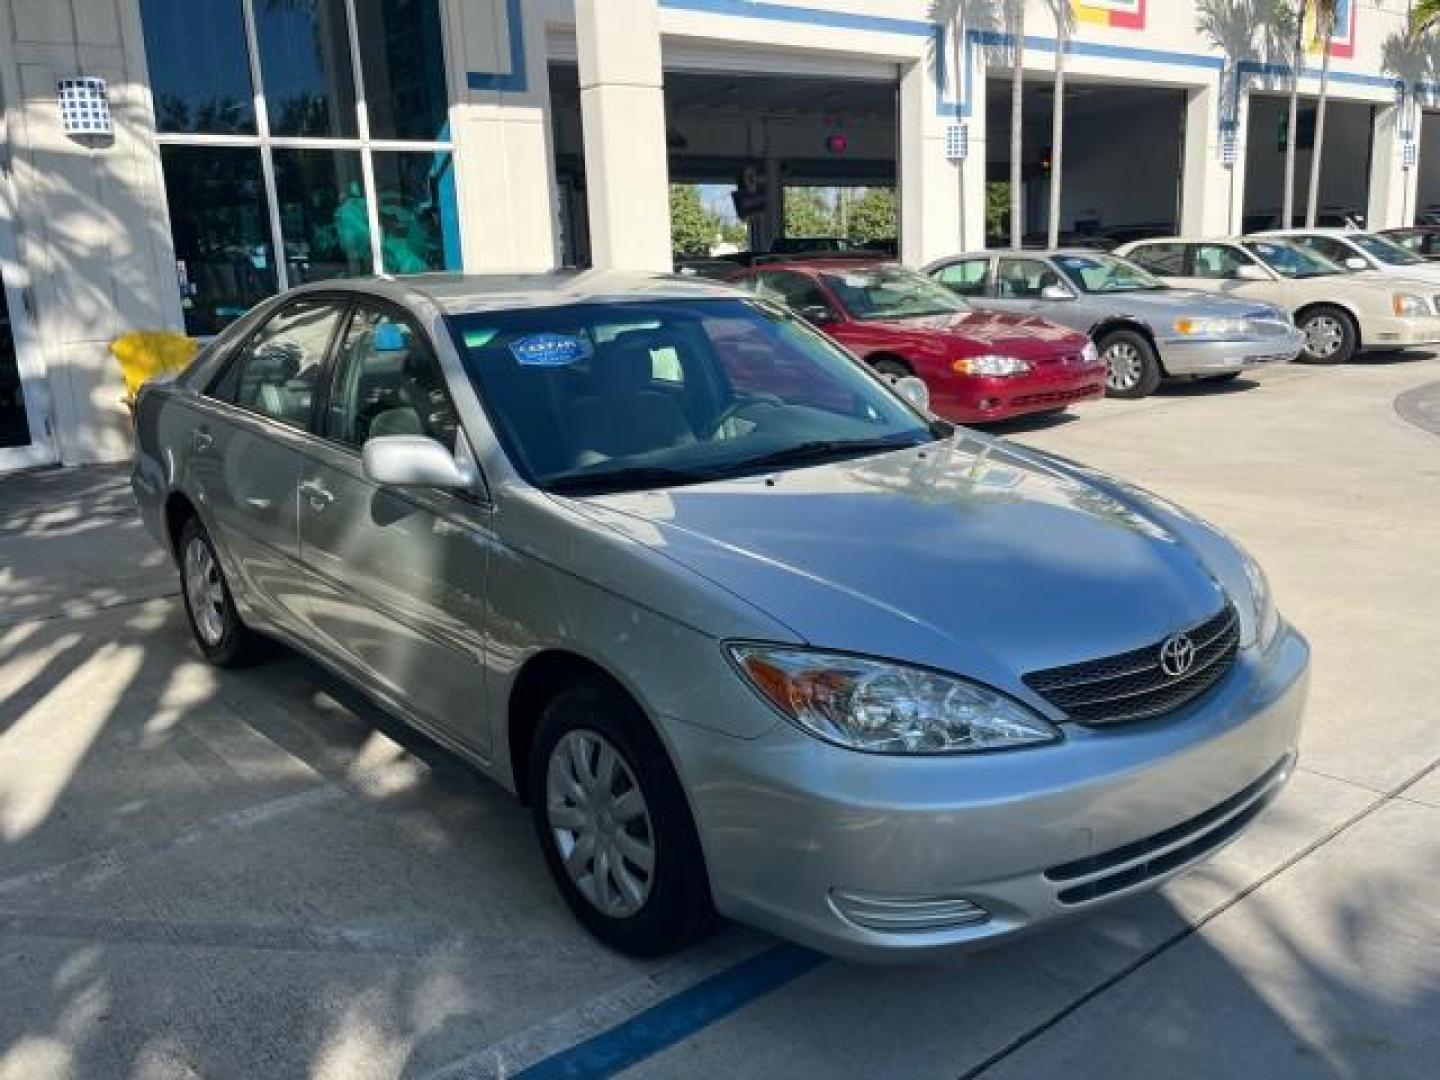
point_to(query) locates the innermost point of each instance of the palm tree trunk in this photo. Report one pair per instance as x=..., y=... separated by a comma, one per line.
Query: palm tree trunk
x=1318, y=150
x=1017, y=97
x=1287, y=218
x=1057, y=129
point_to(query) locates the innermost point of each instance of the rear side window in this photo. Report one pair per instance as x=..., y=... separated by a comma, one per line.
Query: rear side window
x=966, y=277
x=275, y=373
x=1164, y=259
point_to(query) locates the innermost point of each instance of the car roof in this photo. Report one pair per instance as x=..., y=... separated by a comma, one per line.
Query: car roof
x=814, y=262
x=458, y=294
x=1318, y=230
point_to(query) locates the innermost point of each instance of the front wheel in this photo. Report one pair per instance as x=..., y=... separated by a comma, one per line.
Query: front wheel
x=891, y=369
x=614, y=824
x=1330, y=336
x=1132, y=367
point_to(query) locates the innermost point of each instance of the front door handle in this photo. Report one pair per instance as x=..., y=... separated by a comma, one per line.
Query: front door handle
x=317, y=495
x=202, y=440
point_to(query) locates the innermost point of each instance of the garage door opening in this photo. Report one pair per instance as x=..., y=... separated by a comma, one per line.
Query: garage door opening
x=1344, y=168
x=812, y=159
x=1121, y=175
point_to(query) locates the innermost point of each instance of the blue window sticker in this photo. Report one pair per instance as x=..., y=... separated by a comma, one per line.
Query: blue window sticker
x=549, y=350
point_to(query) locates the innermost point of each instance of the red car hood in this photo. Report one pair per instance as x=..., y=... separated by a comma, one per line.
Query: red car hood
x=1028, y=337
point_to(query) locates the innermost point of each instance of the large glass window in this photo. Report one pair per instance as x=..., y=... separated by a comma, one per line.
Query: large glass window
x=324, y=216
x=305, y=61
x=224, y=255
x=265, y=148
x=404, y=86
x=199, y=66
x=418, y=226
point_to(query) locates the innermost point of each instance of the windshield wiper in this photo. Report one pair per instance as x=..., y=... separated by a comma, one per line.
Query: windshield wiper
x=820, y=450
x=644, y=476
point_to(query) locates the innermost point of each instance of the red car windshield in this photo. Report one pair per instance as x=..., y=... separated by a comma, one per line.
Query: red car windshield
x=871, y=293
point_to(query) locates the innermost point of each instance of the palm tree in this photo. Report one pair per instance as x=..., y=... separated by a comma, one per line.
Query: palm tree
x=1424, y=18
x=1327, y=12
x=1017, y=97
x=1063, y=15
x=1292, y=127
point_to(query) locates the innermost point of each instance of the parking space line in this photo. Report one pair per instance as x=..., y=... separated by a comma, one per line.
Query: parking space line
x=1031, y=1034
x=622, y=1028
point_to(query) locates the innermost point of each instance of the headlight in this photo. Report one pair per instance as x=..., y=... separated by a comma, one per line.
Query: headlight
x=1090, y=355
x=887, y=708
x=1213, y=328
x=1410, y=304
x=1265, y=618
x=998, y=366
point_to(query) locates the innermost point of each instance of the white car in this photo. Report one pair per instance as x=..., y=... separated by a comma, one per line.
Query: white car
x=1341, y=312
x=1359, y=251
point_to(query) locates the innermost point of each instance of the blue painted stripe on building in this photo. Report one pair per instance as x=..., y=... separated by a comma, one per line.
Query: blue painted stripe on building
x=516, y=81
x=677, y=1018
x=810, y=16
x=1077, y=47
x=1256, y=67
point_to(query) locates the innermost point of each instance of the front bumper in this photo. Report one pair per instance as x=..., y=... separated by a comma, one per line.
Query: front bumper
x=1187, y=356
x=1399, y=332
x=796, y=831
x=977, y=399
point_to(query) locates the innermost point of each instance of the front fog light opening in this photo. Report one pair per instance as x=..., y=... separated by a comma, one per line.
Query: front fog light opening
x=906, y=914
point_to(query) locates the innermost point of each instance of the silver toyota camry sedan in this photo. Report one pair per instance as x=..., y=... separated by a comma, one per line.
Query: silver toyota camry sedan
x=749, y=631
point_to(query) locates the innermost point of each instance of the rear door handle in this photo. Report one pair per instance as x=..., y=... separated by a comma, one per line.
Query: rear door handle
x=316, y=494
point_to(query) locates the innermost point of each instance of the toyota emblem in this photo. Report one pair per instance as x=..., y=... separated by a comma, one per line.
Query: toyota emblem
x=1177, y=655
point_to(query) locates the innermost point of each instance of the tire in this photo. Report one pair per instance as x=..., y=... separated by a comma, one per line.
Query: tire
x=890, y=368
x=1330, y=335
x=1132, y=368
x=592, y=729
x=214, y=621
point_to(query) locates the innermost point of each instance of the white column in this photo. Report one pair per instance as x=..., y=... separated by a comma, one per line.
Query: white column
x=504, y=166
x=1392, y=186
x=931, y=217
x=1208, y=186
x=622, y=103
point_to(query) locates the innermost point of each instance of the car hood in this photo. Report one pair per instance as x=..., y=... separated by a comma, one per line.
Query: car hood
x=966, y=555
x=1171, y=302
x=1024, y=336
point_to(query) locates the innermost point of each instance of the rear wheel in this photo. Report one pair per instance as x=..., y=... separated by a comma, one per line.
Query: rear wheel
x=224, y=639
x=614, y=824
x=1330, y=336
x=1132, y=367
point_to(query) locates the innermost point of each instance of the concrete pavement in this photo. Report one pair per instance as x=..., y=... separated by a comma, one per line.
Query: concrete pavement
x=255, y=874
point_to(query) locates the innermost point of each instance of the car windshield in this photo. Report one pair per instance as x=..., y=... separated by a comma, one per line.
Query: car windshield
x=592, y=398
x=1106, y=274
x=1384, y=249
x=890, y=292
x=1291, y=261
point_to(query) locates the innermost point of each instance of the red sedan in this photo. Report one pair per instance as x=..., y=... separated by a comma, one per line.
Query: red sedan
x=979, y=365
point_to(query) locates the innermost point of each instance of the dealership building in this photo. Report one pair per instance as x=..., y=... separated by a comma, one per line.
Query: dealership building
x=167, y=163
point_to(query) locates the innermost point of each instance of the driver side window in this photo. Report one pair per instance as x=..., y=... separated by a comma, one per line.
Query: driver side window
x=1023, y=279
x=1217, y=262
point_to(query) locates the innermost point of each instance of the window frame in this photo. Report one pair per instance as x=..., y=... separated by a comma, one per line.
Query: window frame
x=266, y=143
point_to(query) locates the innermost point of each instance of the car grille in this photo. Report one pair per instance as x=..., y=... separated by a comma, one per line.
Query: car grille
x=1054, y=397
x=1132, y=864
x=1133, y=685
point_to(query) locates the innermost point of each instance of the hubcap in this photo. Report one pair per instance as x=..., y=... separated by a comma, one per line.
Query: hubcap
x=1124, y=368
x=205, y=592
x=600, y=823
x=1323, y=336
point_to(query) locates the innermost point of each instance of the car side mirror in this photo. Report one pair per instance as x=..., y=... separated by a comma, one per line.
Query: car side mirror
x=1251, y=272
x=1056, y=292
x=818, y=314
x=1355, y=262
x=913, y=390
x=415, y=461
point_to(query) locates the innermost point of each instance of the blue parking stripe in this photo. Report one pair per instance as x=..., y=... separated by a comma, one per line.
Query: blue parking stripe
x=677, y=1018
